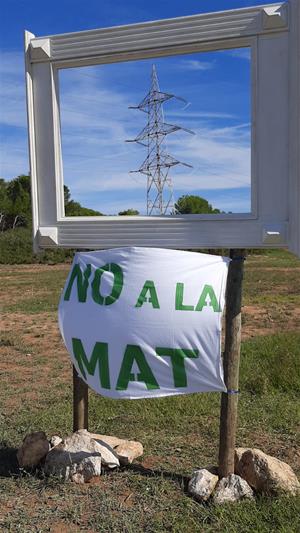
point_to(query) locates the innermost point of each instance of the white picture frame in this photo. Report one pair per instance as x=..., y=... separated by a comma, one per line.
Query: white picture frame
x=273, y=33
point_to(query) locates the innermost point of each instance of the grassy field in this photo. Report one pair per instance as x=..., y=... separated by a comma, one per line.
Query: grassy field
x=179, y=434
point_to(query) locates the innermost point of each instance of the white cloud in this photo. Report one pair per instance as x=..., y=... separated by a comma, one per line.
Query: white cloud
x=14, y=153
x=235, y=205
x=195, y=64
x=113, y=207
x=241, y=53
x=12, y=90
x=13, y=157
x=220, y=159
x=201, y=114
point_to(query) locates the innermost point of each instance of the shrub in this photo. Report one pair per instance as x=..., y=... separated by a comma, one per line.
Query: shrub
x=16, y=248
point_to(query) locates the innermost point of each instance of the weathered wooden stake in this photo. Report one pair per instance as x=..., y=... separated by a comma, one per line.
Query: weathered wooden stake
x=231, y=360
x=80, y=402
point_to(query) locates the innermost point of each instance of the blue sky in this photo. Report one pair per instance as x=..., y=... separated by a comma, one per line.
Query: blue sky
x=94, y=107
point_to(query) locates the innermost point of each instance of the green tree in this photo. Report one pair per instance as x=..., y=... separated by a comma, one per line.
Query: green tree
x=19, y=201
x=4, y=203
x=129, y=212
x=3, y=195
x=75, y=209
x=15, y=203
x=3, y=191
x=67, y=194
x=190, y=204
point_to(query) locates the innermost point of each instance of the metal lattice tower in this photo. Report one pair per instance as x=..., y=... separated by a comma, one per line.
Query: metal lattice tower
x=158, y=162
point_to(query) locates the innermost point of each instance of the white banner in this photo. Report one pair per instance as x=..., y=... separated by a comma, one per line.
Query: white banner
x=145, y=322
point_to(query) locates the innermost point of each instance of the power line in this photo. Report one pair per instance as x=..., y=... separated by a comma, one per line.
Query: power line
x=158, y=162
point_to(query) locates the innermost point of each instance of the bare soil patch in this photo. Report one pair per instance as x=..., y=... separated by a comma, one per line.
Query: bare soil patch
x=262, y=320
x=33, y=358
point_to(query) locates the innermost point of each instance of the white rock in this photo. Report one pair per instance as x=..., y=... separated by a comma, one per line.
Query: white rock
x=108, y=456
x=231, y=489
x=55, y=440
x=127, y=450
x=33, y=450
x=87, y=469
x=265, y=473
x=202, y=484
x=64, y=459
x=111, y=441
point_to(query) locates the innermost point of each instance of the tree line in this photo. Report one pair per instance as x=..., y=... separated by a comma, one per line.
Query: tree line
x=187, y=204
x=15, y=204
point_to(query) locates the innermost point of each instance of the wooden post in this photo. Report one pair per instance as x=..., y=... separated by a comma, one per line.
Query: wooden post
x=231, y=360
x=80, y=402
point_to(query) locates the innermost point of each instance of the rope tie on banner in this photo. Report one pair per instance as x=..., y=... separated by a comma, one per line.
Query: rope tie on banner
x=232, y=391
x=239, y=258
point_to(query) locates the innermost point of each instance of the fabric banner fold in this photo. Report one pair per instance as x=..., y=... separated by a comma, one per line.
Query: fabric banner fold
x=145, y=322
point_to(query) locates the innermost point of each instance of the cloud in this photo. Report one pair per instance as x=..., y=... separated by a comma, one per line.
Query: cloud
x=12, y=89
x=195, y=64
x=234, y=200
x=201, y=114
x=220, y=159
x=114, y=206
x=13, y=156
x=14, y=153
x=241, y=53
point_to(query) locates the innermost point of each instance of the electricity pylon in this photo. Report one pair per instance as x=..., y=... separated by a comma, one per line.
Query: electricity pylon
x=158, y=162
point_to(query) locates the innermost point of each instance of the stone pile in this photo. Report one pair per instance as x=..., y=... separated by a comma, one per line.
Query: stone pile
x=79, y=457
x=83, y=455
x=205, y=485
x=255, y=472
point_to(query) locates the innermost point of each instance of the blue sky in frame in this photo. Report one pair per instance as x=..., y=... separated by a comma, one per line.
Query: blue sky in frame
x=96, y=122
x=216, y=85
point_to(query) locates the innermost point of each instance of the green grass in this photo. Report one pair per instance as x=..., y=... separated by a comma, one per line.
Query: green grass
x=272, y=258
x=179, y=434
x=271, y=363
x=32, y=293
x=270, y=287
x=134, y=503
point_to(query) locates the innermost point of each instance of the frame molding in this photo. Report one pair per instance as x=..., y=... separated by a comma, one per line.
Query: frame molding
x=272, y=31
x=157, y=35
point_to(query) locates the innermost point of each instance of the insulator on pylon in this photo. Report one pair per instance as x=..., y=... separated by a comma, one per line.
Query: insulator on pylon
x=158, y=162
